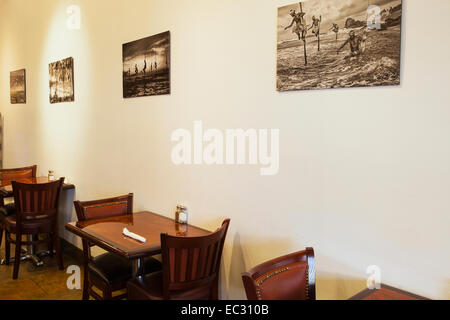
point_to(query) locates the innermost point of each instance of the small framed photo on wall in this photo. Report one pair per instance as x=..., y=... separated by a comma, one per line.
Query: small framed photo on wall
x=146, y=66
x=61, y=81
x=18, y=87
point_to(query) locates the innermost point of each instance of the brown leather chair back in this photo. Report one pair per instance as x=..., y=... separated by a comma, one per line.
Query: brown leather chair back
x=191, y=262
x=18, y=173
x=290, y=277
x=104, y=208
x=36, y=200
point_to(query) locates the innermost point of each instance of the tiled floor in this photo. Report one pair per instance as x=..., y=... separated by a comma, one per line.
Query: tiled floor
x=38, y=283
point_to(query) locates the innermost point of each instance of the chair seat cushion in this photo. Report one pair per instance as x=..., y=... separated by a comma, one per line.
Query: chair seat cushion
x=113, y=269
x=32, y=226
x=8, y=210
x=150, y=287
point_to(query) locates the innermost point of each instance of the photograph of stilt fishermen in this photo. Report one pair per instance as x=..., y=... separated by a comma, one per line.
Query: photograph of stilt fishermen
x=146, y=66
x=61, y=81
x=17, y=82
x=339, y=44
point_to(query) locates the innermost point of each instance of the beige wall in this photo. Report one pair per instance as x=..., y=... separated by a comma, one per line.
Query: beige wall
x=364, y=173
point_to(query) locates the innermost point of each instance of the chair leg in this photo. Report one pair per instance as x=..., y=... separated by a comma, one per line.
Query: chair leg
x=1, y=235
x=50, y=245
x=86, y=285
x=7, y=248
x=59, y=257
x=17, y=256
x=215, y=290
x=107, y=293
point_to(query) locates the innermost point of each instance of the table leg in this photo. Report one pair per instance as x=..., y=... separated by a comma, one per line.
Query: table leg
x=32, y=252
x=138, y=267
x=23, y=257
x=28, y=254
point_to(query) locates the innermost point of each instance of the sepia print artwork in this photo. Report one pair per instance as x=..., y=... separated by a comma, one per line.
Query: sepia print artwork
x=61, y=81
x=338, y=44
x=146, y=66
x=17, y=84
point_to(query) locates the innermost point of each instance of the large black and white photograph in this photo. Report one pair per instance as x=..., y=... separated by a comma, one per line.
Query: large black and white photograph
x=17, y=84
x=61, y=81
x=146, y=66
x=339, y=44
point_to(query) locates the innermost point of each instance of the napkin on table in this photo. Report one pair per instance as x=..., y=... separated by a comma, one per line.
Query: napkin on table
x=134, y=236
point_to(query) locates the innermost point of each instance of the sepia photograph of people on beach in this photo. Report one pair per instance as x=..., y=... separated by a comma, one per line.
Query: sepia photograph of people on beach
x=339, y=44
x=61, y=81
x=146, y=66
x=17, y=84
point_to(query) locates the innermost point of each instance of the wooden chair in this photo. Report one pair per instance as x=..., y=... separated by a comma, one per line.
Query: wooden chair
x=36, y=213
x=190, y=269
x=290, y=277
x=7, y=175
x=107, y=272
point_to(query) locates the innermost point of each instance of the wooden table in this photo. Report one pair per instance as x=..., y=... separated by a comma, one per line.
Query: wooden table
x=386, y=293
x=107, y=233
x=7, y=192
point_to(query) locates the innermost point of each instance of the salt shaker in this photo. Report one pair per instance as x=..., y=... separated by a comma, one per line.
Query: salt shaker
x=181, y=215
x=51, y=175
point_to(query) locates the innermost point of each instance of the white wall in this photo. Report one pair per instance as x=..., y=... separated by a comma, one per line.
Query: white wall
x=364, y=173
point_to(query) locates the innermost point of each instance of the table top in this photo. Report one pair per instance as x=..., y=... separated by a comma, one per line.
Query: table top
x=6, y=187
x=107, y=233
x=386, y=293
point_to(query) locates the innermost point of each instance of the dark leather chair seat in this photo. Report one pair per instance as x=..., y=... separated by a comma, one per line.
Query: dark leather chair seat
x=33, y=226
x=7, y=210
x=112, y=269
x=150, y=288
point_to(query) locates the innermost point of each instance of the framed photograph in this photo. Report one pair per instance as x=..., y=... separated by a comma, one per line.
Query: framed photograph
x=339, y=44
x=18, y=87
x=146, y=66
x=61, y=81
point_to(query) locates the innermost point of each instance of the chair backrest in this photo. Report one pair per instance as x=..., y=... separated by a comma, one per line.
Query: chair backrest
x=18, y=173
x=291, y=277
x=36, y=200
x=104, y=208
x=191, y=262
